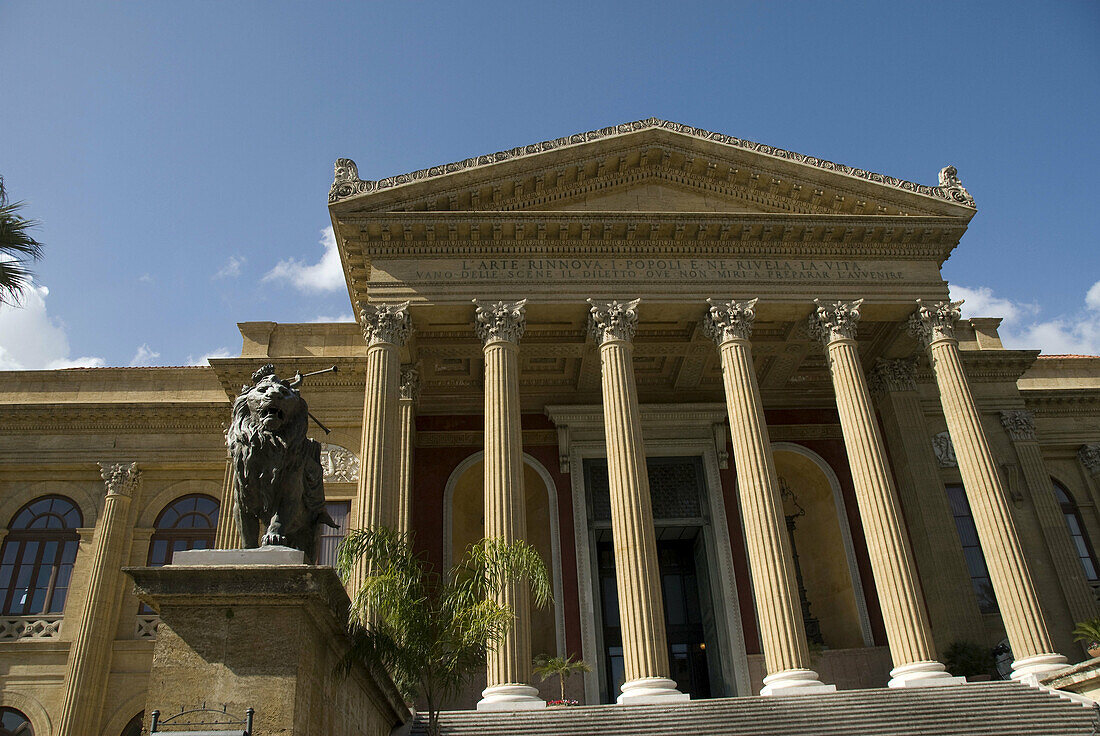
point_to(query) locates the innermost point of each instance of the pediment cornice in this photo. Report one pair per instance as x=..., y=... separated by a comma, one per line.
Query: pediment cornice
x=536, y=174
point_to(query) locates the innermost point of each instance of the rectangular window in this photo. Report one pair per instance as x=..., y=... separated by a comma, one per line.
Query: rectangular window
x=331, y=538
x=972, y=550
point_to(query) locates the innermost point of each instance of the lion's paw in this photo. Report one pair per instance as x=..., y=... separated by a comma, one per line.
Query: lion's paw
x=275, y=540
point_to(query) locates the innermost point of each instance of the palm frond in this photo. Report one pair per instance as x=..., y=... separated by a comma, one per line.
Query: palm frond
x=18, y=249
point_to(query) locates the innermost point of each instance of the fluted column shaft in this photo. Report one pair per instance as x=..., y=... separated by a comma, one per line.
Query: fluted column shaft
x=410, y=392
x=775, y=593
x=1020, y=426
x=912, y=648
x=227, y=535
x=500, y=327
x=89, y=662
x=1012, y=584
x=386, y=327
x=953, y=610
x=637, y=575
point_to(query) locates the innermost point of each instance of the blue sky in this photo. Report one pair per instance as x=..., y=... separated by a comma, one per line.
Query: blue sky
x=179, y=154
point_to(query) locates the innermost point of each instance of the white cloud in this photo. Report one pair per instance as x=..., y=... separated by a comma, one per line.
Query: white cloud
x=231, y=269
x=204, y=359
x=145, y=278
x=32, y=340
x=144, y=356
x=325, y=275
x=340, y=318
x=1077, y=333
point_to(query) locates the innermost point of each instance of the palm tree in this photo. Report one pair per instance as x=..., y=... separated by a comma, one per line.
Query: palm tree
x=563, y=667
x=17, y=249
x=431, y=632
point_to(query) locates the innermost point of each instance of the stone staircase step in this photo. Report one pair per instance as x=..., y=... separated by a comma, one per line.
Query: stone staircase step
x=975, y=709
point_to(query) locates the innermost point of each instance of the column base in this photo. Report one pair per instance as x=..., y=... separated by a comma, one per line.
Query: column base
x=1030, y=670
x=650, y=691
x=512, y=696
x=795, y=682
x=922, y=674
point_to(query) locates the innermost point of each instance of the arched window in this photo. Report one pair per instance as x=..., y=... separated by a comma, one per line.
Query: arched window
x=36, y=562
x=1077, y=531
x=187, y=523
x=133, y=728
x=14, y=723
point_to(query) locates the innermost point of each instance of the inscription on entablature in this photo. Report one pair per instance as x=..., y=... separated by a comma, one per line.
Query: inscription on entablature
x=636, y=269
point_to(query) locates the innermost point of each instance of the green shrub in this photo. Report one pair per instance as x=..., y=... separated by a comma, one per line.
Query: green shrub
x=968, y=659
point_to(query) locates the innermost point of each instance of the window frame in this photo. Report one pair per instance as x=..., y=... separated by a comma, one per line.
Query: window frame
x=66, y=541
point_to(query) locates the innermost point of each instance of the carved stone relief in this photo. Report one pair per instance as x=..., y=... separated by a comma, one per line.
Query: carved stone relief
x=339, y=463
x=945, y=450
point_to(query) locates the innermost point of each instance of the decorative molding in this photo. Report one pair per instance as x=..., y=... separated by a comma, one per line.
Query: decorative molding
x=409, y=385
x=500, y=321
x=439, y=438
x=945, y=450
x=1019, y=423
x=833, y=321
x=121, y=479
x=340, y=464
x=385, y=323
x=114, y=418
x=145, y=627
x=613, y=320
x=934, y=321
x=1089, y=455
x=892, y=374
x=726, y=321
x=346, y=182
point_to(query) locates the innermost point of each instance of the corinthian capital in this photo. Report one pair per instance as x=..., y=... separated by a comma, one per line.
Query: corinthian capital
x=1020, y=424
x=120, y=478
x=502, y=321
x=613, y=320
x=385, y=323
x=833, y=321
x=727, y=321
x=1089, y=455
x=892, y=374
x=410, y=382
x=934, y=321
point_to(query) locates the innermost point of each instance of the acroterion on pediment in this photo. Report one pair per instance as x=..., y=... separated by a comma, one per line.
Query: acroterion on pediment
x=584, y=167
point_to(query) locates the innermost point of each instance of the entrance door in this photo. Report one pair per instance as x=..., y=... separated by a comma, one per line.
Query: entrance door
x=684, y=617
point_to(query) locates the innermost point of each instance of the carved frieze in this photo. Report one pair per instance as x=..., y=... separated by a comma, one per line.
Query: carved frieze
x=613, y=320
x=500, y=321
x=892, y=374
x=945, y=450
x=1020, y=424
x=934, y=321
x=832, y=321
x=339, y=463
x=385, y=323
x=727, y=321
x=120, y=478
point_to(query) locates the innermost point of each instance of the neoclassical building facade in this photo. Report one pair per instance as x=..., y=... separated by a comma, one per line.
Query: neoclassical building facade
x=720, y=386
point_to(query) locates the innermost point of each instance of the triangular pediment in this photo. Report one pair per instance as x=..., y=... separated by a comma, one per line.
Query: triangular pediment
x=650, y=165
x=653, y=194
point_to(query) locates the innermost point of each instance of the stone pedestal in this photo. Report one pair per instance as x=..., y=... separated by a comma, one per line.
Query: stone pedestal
x=265, y=636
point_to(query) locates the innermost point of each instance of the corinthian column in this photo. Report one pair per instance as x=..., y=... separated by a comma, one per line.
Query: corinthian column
x=637, y=577
x=1020, y=426
x=385, y=327
x=90, y=656
x=911, y=647
x=952, y=608
x=782, y=632
x=934, y=325
x=508, y=671
x=410, y=395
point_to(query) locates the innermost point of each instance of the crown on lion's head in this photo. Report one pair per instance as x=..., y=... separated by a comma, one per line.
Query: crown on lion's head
x=266, y=409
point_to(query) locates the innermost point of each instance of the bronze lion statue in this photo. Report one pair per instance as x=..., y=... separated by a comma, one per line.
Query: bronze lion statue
x=277, y=473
